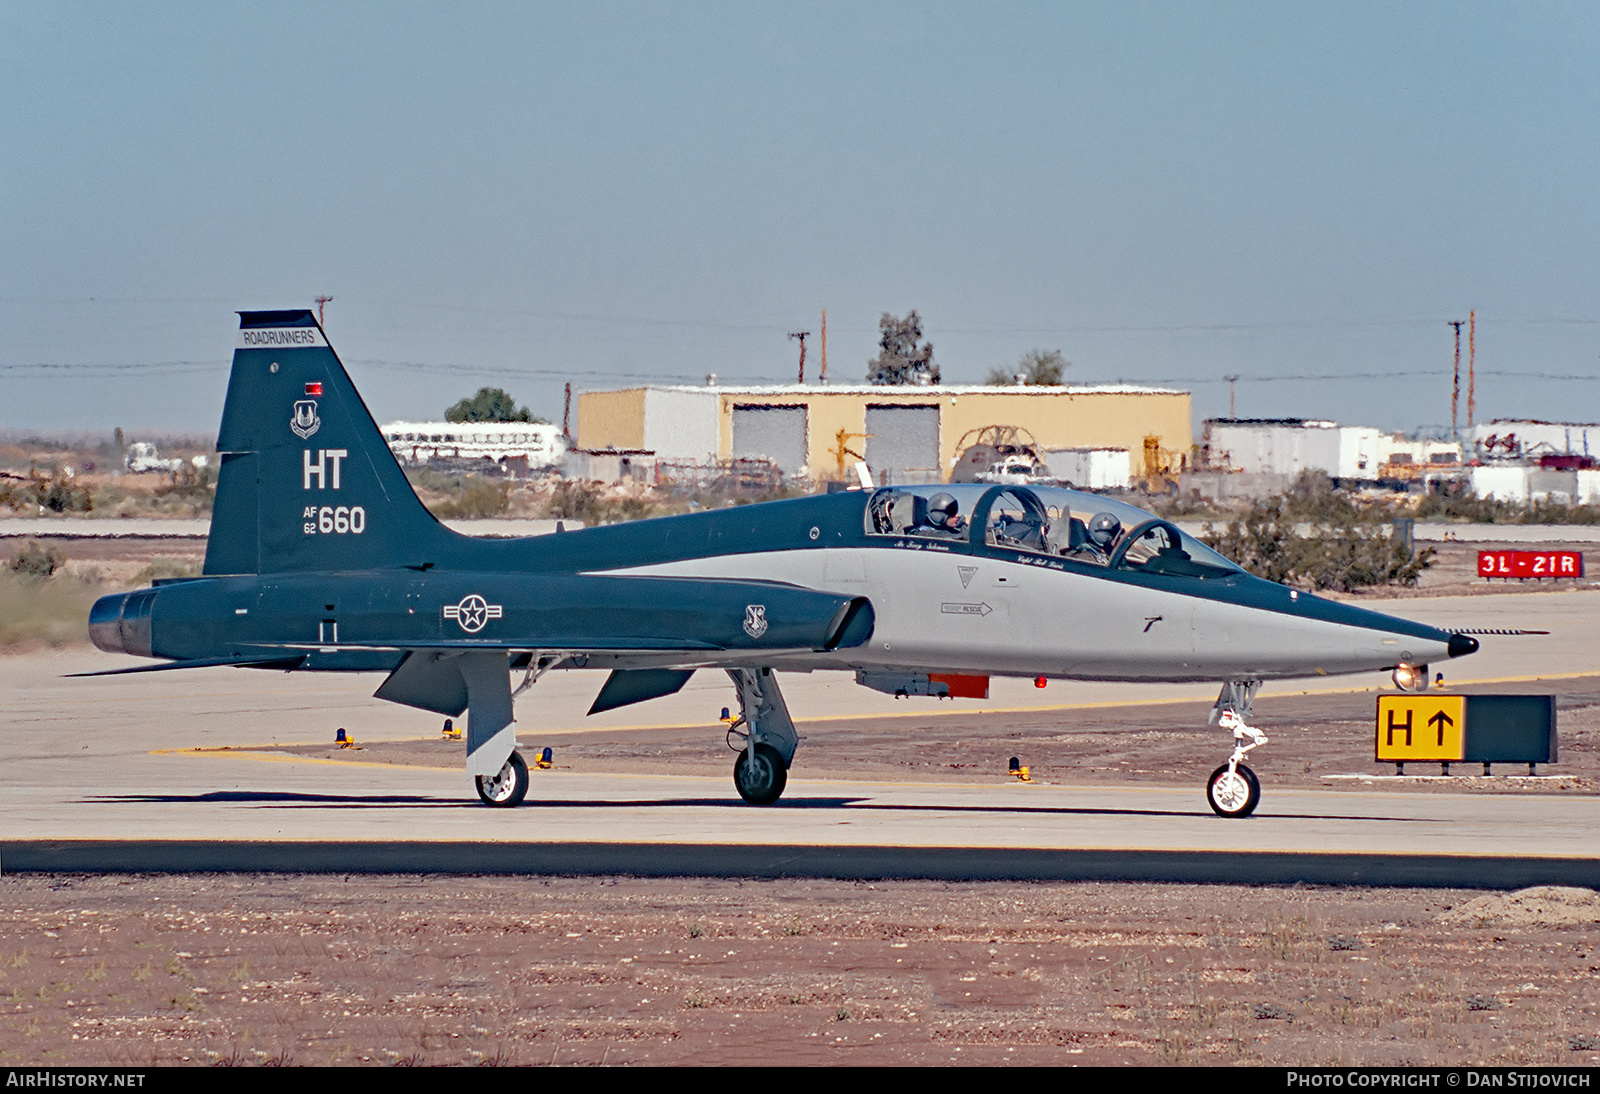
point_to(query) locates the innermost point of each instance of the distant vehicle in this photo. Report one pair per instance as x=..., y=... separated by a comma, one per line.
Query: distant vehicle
x=1014, y=471
x=998, y=453
x=142, y=457
x=322, y=559
x=531, y=445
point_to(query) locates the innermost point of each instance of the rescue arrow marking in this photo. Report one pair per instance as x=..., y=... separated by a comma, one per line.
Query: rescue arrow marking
x=965, y=609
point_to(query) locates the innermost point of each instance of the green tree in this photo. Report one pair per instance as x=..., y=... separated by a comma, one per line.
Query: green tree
x=900, y=359
x=490, y=404
x=1038, y=368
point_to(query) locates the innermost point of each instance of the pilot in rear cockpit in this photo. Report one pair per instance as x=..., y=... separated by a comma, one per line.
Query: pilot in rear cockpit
x=944, y=517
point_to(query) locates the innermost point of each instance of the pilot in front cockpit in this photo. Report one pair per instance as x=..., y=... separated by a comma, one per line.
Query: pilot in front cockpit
x=1099, y=541
x=1104, y=531
x=944, y=518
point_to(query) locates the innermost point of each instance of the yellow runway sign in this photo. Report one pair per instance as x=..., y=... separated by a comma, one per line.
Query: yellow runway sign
x=1421, y=727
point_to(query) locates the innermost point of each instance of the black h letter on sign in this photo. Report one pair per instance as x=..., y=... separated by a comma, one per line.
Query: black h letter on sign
x=1406, y=725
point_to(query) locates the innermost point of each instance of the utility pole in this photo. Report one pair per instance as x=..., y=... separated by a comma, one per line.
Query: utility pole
x=802, y=335
x=322, y=304
x=1231, y=381
x=822, y=375
x=1455, y=387
x=1472, y=366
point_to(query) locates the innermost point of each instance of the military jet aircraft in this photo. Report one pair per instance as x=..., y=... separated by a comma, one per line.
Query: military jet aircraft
x=322, y=559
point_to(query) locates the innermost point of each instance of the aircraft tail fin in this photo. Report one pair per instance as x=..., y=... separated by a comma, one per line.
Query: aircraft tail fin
x=307, y=481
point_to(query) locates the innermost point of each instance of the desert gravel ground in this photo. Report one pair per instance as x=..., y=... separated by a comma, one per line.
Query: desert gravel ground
x=252, y=969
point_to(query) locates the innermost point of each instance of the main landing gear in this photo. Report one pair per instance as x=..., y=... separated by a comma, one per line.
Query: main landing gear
x=763, y=735
x=508, y=786
x=760, y=775
x=1233, y=789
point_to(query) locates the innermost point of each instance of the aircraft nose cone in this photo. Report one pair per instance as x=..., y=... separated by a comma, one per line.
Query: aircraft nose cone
x=1461, y=645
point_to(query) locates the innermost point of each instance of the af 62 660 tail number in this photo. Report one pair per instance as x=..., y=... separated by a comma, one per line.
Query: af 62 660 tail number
x=334, y=520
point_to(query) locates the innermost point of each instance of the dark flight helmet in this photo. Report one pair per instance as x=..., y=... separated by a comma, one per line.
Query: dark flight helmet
x=942, y=508
x=1104, y=528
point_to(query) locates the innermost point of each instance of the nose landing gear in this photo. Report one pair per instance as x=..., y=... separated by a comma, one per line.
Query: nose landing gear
x=1233, y=789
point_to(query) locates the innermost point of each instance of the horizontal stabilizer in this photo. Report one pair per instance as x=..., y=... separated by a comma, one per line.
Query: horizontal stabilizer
x=626, y=686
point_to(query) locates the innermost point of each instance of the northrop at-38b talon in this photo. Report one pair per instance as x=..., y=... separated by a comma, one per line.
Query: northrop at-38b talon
x=321, y=559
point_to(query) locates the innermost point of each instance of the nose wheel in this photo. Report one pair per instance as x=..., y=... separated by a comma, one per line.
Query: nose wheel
x=508, y=787
x=1233, y=791
x=760, y=775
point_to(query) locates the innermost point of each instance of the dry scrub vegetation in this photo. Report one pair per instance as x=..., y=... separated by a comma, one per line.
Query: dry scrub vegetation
x=38, y=611
x=242, y=970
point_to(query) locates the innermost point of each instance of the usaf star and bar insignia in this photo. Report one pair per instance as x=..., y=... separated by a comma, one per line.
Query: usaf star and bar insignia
x=473, y=613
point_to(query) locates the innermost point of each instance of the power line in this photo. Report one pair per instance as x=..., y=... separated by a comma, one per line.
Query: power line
x=92, y=368
x=775, y=325
x=1336, y=376
x=108, y=368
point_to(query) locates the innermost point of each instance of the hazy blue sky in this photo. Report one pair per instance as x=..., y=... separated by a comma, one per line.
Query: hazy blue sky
x=521, y=195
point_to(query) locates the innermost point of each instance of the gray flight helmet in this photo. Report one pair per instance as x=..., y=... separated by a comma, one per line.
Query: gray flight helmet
x=1104, y=528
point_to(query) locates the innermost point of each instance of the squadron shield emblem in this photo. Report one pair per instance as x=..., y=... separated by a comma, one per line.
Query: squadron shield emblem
x=305, y=421
x=755, y=620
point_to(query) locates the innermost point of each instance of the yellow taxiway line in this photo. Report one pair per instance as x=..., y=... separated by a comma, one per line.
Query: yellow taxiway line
x=964, y=712
x=254, y=752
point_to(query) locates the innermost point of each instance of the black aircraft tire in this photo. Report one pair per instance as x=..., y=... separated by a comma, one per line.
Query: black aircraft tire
x=1232, y=802
x=761, y=778
x=508, y=788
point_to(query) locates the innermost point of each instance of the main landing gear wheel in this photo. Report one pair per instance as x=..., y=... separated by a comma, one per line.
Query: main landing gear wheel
x=509, y=787
x=760, y=775
x=1233, y=793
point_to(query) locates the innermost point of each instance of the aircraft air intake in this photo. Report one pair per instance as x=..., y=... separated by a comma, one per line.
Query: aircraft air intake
x=851, y=625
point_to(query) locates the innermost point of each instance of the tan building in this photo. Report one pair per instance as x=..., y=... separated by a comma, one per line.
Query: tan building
x=906, y=434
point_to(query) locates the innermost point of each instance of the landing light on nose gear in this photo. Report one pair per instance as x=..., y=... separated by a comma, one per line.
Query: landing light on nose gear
x=1411, y=677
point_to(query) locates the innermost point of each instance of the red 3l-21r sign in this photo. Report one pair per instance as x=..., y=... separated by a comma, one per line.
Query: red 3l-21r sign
x=1538, y=564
